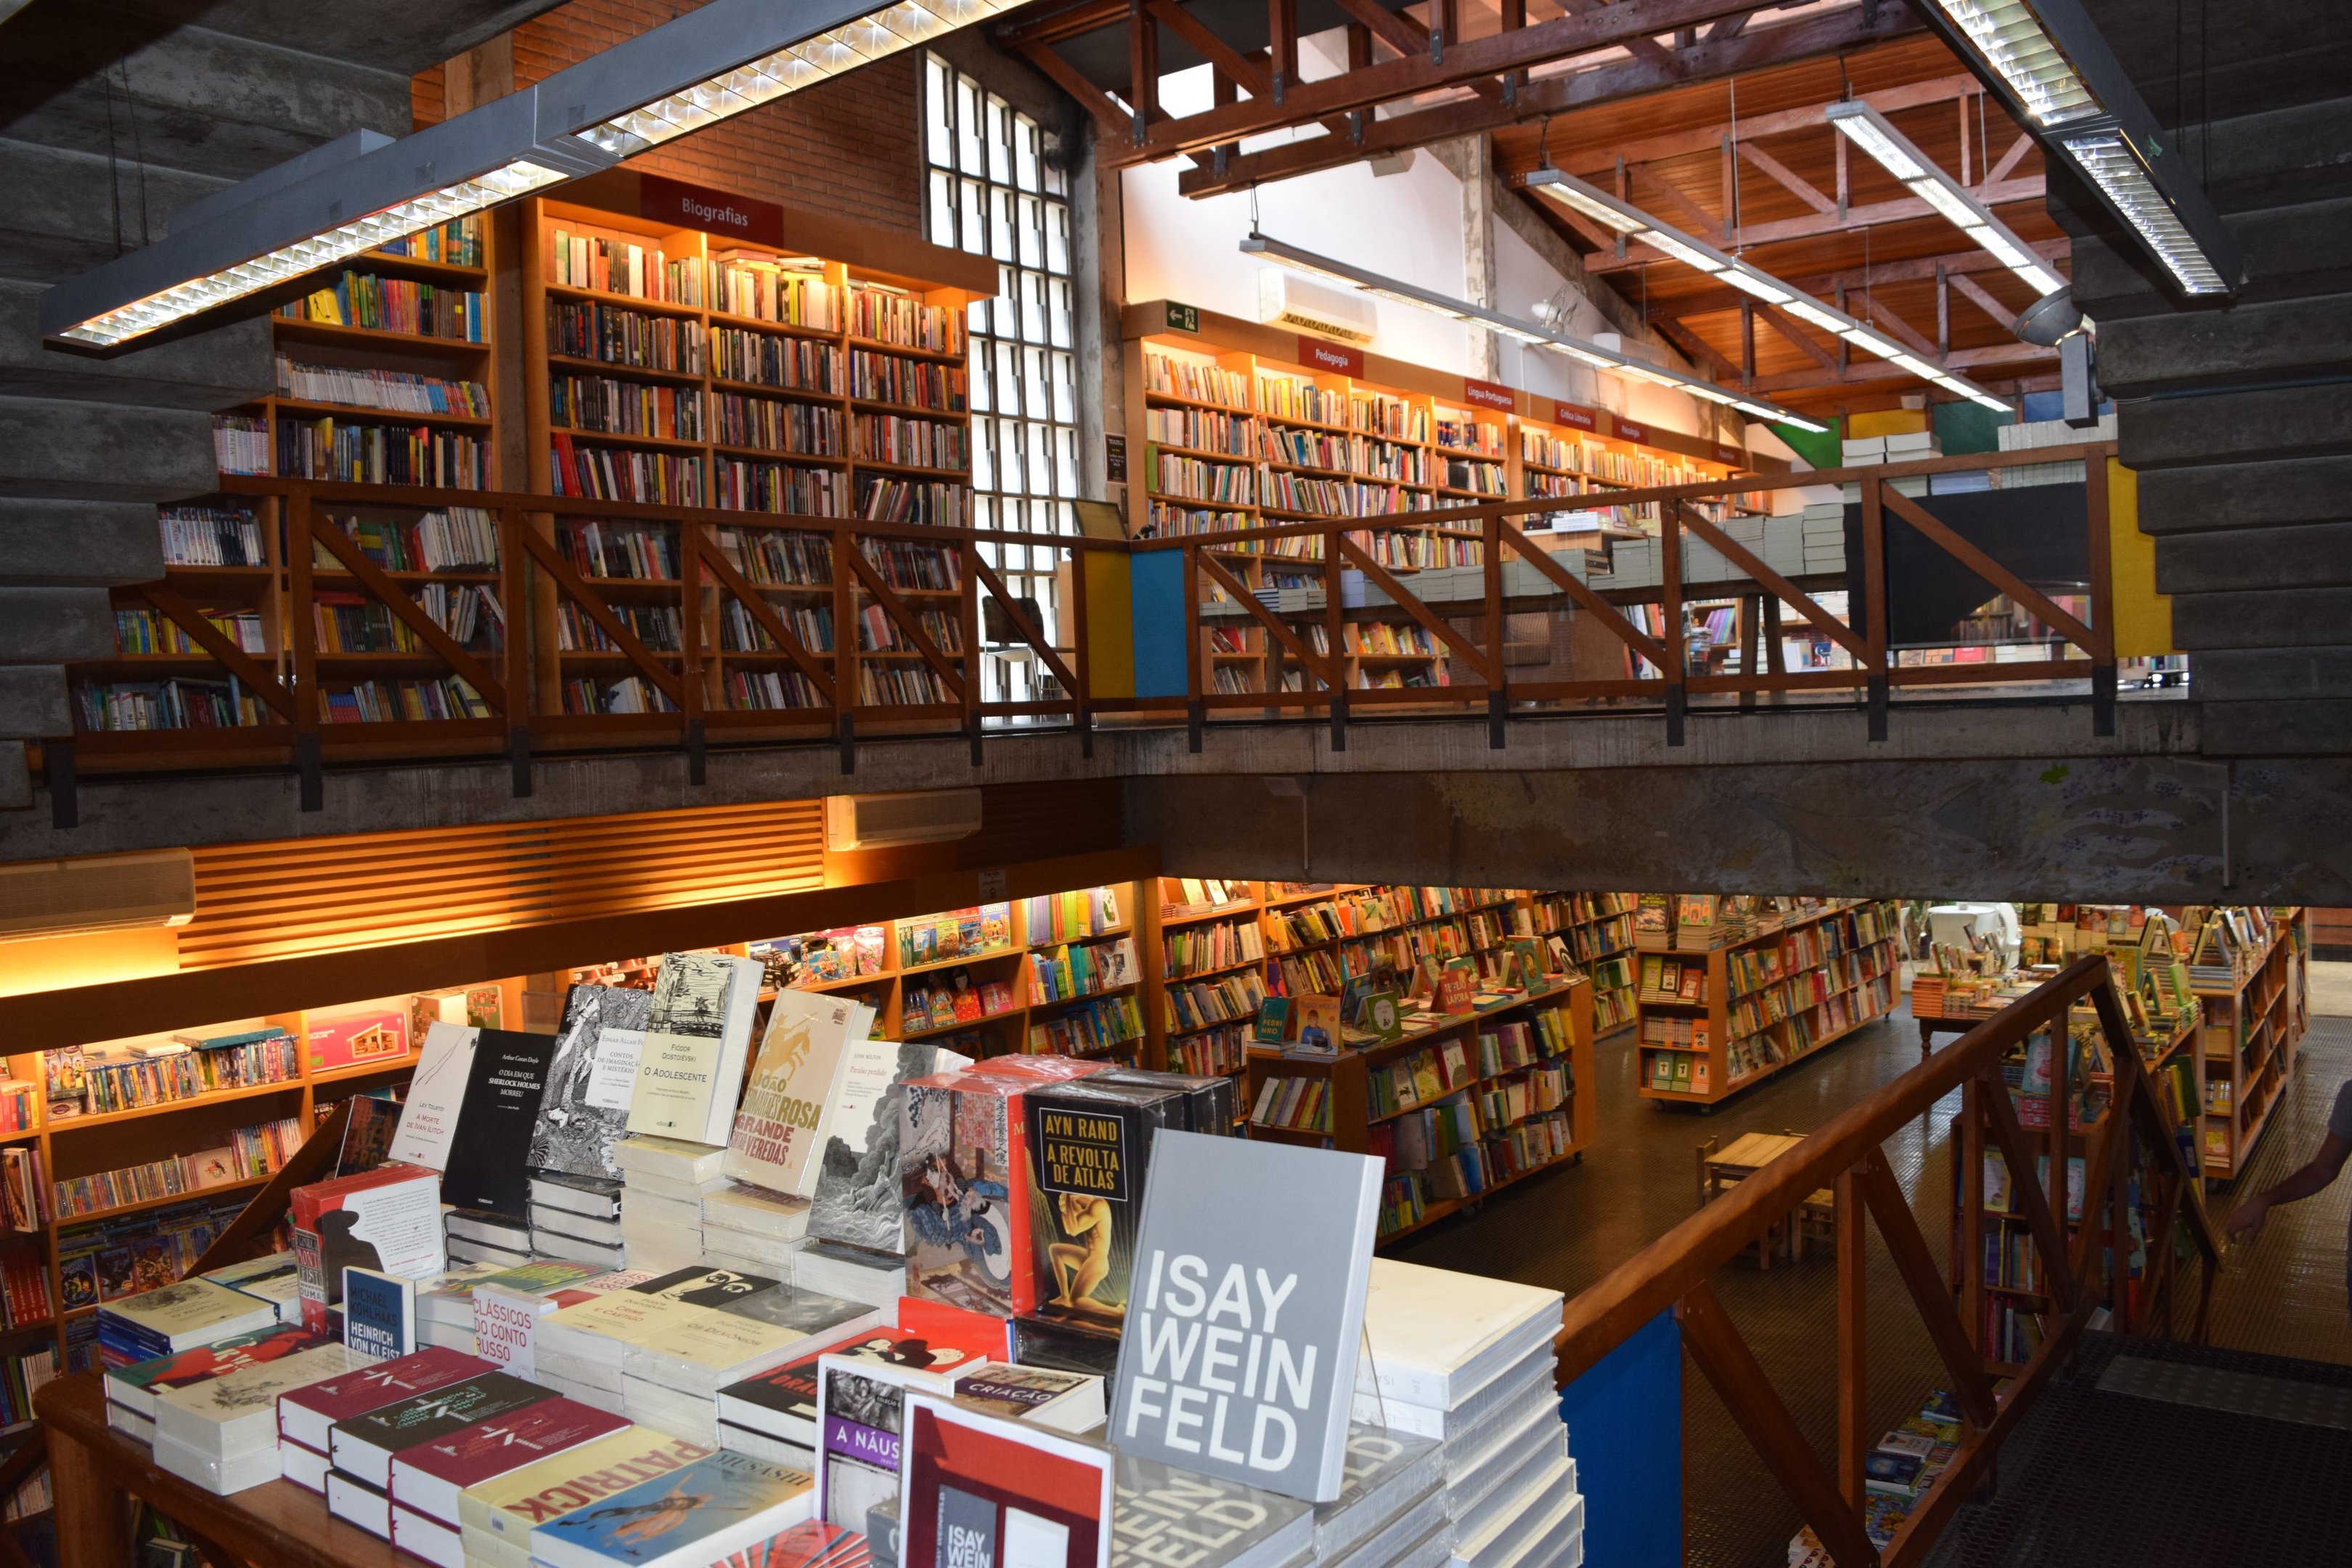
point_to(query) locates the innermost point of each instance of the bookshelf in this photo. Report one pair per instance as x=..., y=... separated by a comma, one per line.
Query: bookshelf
x=257, y=1120
x=1242, y=425
x=2254, y=1016
x=1726, y=997
x=1471, y=1122
x=1599, y=931
x=692, y=368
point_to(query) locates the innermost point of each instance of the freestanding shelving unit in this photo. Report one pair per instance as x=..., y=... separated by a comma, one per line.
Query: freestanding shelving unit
x=2253, y=1035
x=1724, y=1005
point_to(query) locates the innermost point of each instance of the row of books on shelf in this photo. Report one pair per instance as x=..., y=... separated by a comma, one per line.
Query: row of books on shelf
x=25, y=1298
x=155, y=1072
x=1293, y=1104
x=210, y=536
x=394, y=391
x=1194, y=894
x=452, y=539
x=1676, y=1069
x=1219, y=944
x=21, y=1376
x=1897, y=1472
x=105, y=1260
x=1228, y=999
x=955, y=933
x=1066, y=916
x=952, y=999
x=1210, y=1052
x=1468, y=1170
x=393, y=305
x=1098, y=1026
x=332, y=448
x=108, y=706
x=1082, y=970
x=844, y=952
x=248, y=1153
x=391, y=701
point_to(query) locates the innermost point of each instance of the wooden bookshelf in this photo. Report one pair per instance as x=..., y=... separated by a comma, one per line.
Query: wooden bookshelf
x=1599, y=931
x=2253, y=1034
x=687, y=367
x=1242, y=425
x=1752, y=998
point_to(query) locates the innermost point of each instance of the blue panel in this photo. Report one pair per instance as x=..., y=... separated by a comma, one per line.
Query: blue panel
x=1158, y=579
x=1625, y=1432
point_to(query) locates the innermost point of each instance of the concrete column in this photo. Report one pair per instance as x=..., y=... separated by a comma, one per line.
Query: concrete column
x=1475, y=164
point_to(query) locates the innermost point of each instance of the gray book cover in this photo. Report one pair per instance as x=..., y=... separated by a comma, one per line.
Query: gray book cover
x=857, y=1198
x=585, y=1110
x=1161, y=1515
x=1244, y=1320
x=1386, y=1473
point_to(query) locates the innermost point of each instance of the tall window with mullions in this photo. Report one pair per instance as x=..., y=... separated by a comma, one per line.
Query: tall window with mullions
x=992, y=194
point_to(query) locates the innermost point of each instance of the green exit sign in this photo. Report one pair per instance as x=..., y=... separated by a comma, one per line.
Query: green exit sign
x=1183, y=318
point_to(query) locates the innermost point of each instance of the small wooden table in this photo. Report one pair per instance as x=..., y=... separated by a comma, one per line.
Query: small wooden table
x=1722, y=1169
x=94, y=1471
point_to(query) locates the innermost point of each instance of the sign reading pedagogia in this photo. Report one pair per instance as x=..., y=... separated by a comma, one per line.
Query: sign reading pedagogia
x=1244, y=1318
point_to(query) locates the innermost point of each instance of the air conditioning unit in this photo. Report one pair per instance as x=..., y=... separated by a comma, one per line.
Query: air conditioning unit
x=916, y=816
x=1287, y=299
x=110, y=892
x=1639, y=350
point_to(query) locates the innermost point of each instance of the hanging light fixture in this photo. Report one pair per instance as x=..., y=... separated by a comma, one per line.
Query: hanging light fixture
x=361, y=193
x=1899, y=156
x=1580, y=197
x=2052, y=69
x=1412, y=295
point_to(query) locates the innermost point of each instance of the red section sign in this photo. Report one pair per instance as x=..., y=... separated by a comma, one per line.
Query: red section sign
x=1628, y=431
x=1575, y=415
x=1335, y=358
x=719, y=213
x=1487, y=394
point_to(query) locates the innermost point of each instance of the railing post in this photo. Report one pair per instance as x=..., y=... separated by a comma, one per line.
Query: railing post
x=1335, y=624
x=1853, y=1341
x=844, y=646
x=1874, y=599
x=522, y=694
x=1970, y=1186
x=1082, y=701
x=1498, y=698
x=967, y=626
x=1670, y=617
x=690, y=642
x=303, y=621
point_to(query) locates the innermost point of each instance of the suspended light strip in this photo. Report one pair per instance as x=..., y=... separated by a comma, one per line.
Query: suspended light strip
x=1876, y=135
x=2048, y=61
x=1630, y=221
x=1417, y=298
x=713, y=62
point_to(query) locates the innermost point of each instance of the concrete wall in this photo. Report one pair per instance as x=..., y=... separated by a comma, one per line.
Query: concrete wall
x=2238, y=417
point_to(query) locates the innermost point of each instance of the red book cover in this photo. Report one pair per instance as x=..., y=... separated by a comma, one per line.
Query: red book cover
x=971, y=1479
x=811, y=1543
x=387, y=1219
x=978, y=1334
x=429, y=1477
x=305, y=1414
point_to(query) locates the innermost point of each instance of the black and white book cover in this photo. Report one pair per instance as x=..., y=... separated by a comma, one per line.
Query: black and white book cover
x=590, y=1080
x=858, y=1201
x=697, y=1034
x=487, y=1169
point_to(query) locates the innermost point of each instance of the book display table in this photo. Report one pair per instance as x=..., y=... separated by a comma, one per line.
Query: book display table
x=95, y=1470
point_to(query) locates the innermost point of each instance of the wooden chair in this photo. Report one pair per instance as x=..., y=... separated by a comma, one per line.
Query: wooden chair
x=1816, y=1220
x=1706, y=1152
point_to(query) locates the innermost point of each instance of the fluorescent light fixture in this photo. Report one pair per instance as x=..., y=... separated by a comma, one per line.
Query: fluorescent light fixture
x=360, y=193
x=2115, y=167
x=2053, y=68
x=1579, y=195
x=1876, y=135
x=1528, y=332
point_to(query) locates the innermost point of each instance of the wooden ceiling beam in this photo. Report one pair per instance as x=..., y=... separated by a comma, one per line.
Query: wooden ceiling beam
x=1612, y=81
x=1902, y=210
x=1809, y=117
x=1462, y=65
x=1865, y=370
x=1825, y=285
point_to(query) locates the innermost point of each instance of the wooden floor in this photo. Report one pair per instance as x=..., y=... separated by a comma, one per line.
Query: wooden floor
x=2284, y=1296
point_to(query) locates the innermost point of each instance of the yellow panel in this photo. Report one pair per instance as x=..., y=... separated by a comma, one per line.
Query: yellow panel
x=52, y=963
x=2143, y=616
x=1110, y=623
x=1886, y=422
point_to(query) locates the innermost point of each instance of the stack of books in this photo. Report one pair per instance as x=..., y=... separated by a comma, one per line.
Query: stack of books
x=752, y=1229
x=661, y=1199
x=496, y=1515
x=132, y=1390
x=274, y=1278
x=1391, y=1514
x=476, y=1235
x=576, y=1219
x=429, y=1480
x=307, y=1417
x=739, y=1503
x=363, y=1448
x=671, y=1379
x=177, y=1317
x=221, y=1433
x=1468, y=1363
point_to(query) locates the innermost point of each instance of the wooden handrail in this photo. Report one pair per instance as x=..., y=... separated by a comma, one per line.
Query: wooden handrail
x=1676, y=1270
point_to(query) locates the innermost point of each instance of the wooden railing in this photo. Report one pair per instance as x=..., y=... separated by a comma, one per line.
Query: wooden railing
x=521, y=685
x=1472, y=632
x=2131, y=1146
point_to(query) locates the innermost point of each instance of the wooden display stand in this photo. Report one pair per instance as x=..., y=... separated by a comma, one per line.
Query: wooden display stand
x=2253, y=1035
x=1353, y=1118
x=1800, y=965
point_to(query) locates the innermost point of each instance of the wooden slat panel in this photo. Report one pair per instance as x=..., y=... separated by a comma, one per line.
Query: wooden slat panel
x=300, y=896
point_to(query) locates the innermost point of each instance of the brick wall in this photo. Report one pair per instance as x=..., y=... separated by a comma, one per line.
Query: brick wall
x=850, y=146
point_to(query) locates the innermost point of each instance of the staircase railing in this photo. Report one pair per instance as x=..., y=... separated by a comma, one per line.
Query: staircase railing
x=2131, y=1156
